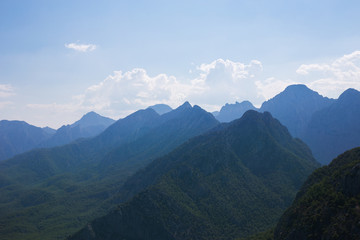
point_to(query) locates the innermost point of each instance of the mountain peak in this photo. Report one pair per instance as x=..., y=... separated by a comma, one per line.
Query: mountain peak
x=231, y=112
x=92, y=118
x=298, y=91
x=161, y=108
x=294, y=107
x=253, y=116
x=91, y=114
x=297, y=87
x=185, y=105
x=350, y=94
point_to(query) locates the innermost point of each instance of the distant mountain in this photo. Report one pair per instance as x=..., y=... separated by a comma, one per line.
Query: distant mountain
x=90, y=125
x=336, y=128
x=295, y=106
x=161, y=108
x=215, y=113
x=49, y=130
x=327, y=207
x=230, y=112
x=230, y=182
x=64, y=187
x=18, y=137
x=328, y=126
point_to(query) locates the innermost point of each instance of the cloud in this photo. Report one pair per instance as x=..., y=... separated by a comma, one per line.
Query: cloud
x=6, y=90
x=331, y=79
x=125, y=92
x=272, y=86
x=81, y=47
x=214, y=84
x=210, y=85
x=52, y=114
x=224, y=81
x=5, y=104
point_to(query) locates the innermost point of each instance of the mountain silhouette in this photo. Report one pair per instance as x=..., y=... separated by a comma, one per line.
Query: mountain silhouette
x=90, y=125
x=230, y=112
x=18, y=136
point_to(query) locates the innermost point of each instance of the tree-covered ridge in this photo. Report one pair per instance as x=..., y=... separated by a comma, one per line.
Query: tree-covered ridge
x=229, y=183
x=328, y=205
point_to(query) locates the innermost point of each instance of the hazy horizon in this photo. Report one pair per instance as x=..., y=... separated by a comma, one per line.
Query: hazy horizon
x=60, y=60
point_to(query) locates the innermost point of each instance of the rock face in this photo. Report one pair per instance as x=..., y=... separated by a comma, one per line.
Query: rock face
x=230, y=112
x=328, y=205
x=230, y=182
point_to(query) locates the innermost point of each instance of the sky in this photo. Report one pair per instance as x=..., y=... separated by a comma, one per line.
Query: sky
x=62, y=59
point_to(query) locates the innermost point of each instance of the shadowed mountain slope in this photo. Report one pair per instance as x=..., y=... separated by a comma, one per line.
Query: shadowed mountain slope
x=327, y=206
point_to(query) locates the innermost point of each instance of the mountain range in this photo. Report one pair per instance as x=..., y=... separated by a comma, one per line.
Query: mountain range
x=59, y=189
x=90, y=125
x=177, y=174
x=18, y=137
x=230, y=182
x=321, y=122
x=328, y=126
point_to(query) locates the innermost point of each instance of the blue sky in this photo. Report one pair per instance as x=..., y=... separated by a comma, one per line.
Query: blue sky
x=61, y=59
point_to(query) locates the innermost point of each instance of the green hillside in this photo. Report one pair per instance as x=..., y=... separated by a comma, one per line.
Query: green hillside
x=328, y=205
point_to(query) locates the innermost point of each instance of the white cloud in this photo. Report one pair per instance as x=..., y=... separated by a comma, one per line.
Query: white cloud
x=57, y=114
x=122, y=93
x=5, y=104
x=215, y=83
x=224, y=81
x=331, y=79
x=211, y=85
x=81, y=47
x=6, y=90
